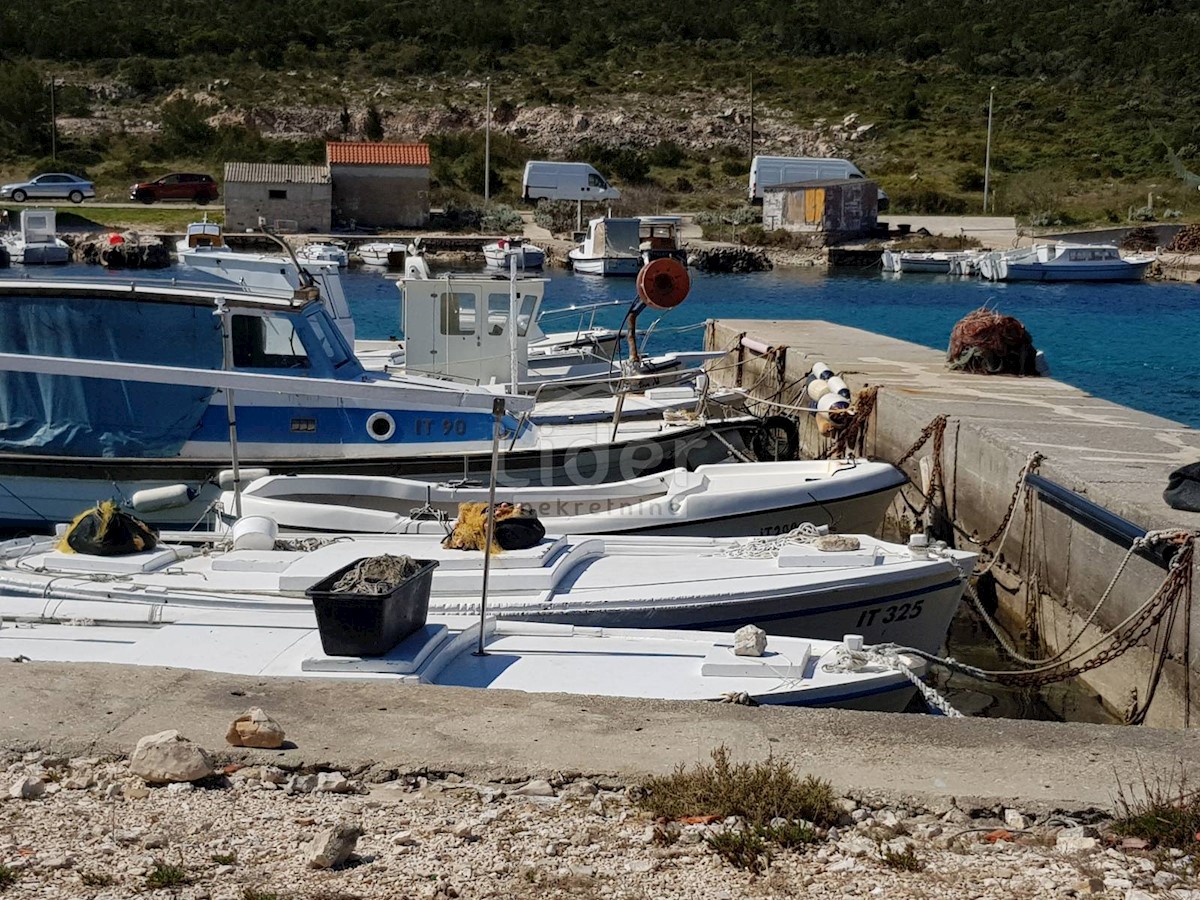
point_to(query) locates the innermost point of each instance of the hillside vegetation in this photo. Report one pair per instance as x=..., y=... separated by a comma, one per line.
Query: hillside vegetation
x=1088, y=96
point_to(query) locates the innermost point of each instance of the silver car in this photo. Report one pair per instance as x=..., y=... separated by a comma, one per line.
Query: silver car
x=53, y=185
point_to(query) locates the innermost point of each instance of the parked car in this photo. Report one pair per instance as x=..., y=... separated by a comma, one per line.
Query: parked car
x=176, y=186
x=52, y=185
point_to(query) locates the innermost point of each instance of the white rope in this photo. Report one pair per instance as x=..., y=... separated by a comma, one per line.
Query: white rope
x=888, y=657
x=769, y=547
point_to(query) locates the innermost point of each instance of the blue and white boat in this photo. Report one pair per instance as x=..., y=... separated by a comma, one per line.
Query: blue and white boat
x=1064, y=262
x=118, y=389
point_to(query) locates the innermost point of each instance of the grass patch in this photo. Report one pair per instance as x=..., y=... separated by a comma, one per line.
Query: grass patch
x=743, y=849
x=256, y=894
x=791, y=835
x=7, y=878
x=758, y=792
x=904, y=860
x=165, y=875
x=224, y=859
x=96, y=879
x=101, y=218
x=1162, y=809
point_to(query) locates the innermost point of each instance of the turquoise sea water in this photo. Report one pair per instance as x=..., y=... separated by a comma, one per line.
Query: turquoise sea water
x=1137, y=344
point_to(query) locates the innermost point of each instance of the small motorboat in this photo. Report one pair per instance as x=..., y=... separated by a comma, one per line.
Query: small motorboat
x=1064, y=262
x=36, y=242
x=531, y=657
x=936, y=262
x=324, y=251
x=725, y=500
x=812, y=587
x=499, y=253
x=390, y=254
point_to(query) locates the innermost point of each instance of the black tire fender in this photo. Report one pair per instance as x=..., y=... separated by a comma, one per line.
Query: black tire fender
x=777, y=439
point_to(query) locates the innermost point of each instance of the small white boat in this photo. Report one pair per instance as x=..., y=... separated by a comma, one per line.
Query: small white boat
x=390, y=254
x=936, y=262
x=532, y=657
x=203, y=235
x=324, y=251
x=528, y=256
x=623, y=246
x=36, y=242
x=882, y=591
x=1064, y=262
x=723, y=500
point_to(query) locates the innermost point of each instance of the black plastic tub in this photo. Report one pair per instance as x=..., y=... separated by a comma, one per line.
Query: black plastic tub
x=370, y=624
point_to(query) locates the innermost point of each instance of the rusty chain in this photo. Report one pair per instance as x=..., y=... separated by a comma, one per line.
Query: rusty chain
x=1031, y=465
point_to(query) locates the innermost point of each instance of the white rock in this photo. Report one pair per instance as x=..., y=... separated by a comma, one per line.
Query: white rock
x=463, y=830
x=301, y=784
x=640, y=866
x=1015, y=820
x=539, y=787
x=168, y=757
x=403, y=839
x=1069, y=843
x=273, y=775
x=332, y=846
x=1118, y=884
x=180, y=787
x=333, y=783
x=842, y=865
x=749, y=640
x=27, y=788
x=1166, y=879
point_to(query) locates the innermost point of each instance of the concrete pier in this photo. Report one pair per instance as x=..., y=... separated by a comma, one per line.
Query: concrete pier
x=1113, y=455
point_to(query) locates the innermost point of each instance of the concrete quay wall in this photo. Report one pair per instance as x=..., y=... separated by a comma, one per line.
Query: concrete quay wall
x=1113, y=455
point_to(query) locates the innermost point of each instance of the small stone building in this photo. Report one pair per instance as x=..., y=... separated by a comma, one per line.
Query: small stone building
x=840, y=209
x=379, y=185
x=290, y=198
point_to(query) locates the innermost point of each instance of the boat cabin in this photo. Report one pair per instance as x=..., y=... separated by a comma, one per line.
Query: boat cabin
x=204, y=234
x=1075, y=254
x=458, y=326
x=613, y=238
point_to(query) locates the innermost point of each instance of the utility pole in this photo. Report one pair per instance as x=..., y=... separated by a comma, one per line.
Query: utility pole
x=751, y=118
x=487, y=148
x=987, y=156
x=53, y=125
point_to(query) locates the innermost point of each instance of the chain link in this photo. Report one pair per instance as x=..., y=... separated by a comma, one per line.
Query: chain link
x=1031, y=465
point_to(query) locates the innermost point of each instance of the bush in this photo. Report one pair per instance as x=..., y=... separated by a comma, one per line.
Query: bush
x=735, y=168
x=556, y=216
x=667, y=155
x=758, y=792
x=373, y=128
x=969, y=178
x=1163, y=809
x=501, y=219
x=929, y=201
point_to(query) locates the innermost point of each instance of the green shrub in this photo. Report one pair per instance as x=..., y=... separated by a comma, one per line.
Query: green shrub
x=556, y=216
x=929, y=201
x=1162, y=809
x=743, y=849
x=501, y=219
x=969, y=178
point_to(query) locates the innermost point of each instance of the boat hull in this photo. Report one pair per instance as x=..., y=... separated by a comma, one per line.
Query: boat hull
x=1123, y=271
x=37, y=492
x=607, y=265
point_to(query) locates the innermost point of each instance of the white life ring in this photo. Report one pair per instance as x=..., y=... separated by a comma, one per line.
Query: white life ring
x=381, y=426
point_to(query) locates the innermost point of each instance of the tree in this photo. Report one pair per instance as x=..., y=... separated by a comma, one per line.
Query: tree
x=24, y=110
x=374, y=124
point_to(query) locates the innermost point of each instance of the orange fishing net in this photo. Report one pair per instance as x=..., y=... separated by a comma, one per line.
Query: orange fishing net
x=988, y=343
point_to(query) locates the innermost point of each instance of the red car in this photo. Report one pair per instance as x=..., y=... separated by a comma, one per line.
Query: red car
x=177, y=186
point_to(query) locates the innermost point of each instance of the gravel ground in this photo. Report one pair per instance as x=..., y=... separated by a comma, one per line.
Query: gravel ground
x=96, y=831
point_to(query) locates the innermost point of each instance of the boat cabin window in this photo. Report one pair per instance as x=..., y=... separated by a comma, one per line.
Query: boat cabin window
x=327, y=337
x=1089, y=255
x=457, y=312
x=261, y=342
x=596, y=181
x=497, y=313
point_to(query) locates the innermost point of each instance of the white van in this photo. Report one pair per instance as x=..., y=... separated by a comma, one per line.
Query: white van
x=565, y=181
x=768, y=171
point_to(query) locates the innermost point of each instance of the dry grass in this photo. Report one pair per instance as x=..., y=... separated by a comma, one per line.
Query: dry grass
x=7, y=878
x=905, y=860
x=743, y=849
x=1163, y=809
x=757, y=792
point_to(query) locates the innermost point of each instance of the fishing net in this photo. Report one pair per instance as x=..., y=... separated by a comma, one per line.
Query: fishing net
x=988, y=343
x=377, y=575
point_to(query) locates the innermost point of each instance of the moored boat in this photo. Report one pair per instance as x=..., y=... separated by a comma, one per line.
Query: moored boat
x=501, y=253
x=36, y=242
x=1064, y=262
x=324, y=251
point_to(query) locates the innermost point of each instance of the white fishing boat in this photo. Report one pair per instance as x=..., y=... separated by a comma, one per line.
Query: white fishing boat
x=276, y=377
x=389, y=254
x=202, y=235
x=622, y=246
x=885, y=592
x=36, y=242
x=1064, y=262
x=936, y=262
x=325, y=251
x=730, y=500
x=519, y=656
x=499, y=254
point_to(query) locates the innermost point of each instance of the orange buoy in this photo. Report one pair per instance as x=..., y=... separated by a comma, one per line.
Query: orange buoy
x=114, y=239
x=663, y=283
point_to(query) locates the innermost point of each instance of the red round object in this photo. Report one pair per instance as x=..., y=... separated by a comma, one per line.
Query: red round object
x=115, y=239
x=663, y=283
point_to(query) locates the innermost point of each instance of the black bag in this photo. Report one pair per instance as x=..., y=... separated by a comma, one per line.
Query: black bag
x=519, y=532
x=104, y=530
x=1183, y=488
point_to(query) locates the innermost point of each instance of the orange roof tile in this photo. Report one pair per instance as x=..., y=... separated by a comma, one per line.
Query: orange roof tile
x=365, y=154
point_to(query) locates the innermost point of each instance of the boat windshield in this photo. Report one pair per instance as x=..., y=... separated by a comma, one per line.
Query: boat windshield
x=498, y=307
x=330, y=339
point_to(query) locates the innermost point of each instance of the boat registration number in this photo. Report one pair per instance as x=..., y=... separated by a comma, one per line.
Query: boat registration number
x=886, y=615
x=769, y=530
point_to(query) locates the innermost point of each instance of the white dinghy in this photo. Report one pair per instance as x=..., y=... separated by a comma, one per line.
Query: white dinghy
x=520, y=656
x=721, y=500
x=885, y=592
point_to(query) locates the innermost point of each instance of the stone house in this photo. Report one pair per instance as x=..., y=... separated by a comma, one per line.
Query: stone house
x=379, y=185
x=290, y=198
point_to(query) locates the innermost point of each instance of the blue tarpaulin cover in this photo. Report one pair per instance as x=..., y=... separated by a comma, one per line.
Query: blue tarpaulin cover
x=67, y=416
